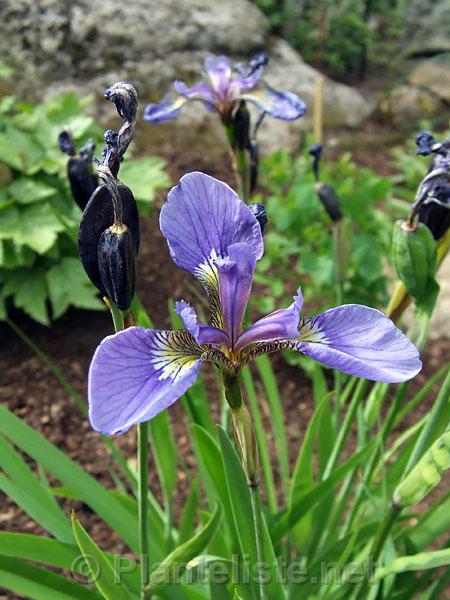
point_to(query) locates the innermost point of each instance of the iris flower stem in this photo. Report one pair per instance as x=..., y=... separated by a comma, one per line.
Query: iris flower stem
x=142, y=460
x=142, y=457
x=257, y=522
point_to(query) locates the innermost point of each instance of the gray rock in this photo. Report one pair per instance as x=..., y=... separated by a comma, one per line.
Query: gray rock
x=428, y=27
x=407, y=104
x=343, y=106
x=55, y=45
x=434, y=75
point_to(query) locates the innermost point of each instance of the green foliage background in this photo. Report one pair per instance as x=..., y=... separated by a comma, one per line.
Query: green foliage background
x=38, y=218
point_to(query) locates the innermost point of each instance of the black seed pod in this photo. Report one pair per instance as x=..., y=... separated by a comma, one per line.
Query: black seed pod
x=240, y=121
x=260, y=213
x=330, y=201
x=117, y=265
x=82, y=181
x=98, y=216
x=315, y=150
x=434, y=212
x=79, y=168
x=253, y=150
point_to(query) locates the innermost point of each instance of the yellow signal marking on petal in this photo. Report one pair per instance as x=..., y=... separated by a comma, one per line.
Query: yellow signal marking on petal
x=310, y=331
x=208, y=275
x=176, y=353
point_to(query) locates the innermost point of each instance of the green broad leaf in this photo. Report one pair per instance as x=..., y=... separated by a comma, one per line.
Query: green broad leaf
x=14, y=467
x=210, y=457
x=37, y=511
x=277, y=417
x=189, y=512
x=165, y=453
x=269, y=484
x=51, y=552
x=40, y=549
x=415, y=562
x=302, y=478
x=30, y=292
x=27, y=190
x=241, y=502
x=9, y=222
x=431, y=525
x=14, y=256
x=144, y=176
x=307, y=502
x=184, y=553
x=100, y=567
x=40, y=584
x=38, y=227
x=66, y=278
x=70, y=474
x=20, y=150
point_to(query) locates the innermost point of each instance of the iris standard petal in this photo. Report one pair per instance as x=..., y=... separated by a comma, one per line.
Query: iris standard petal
x=245, y=83
x=360, y=341
x=235, y=284
x=166, y=110
x=218, y=70
x=281, y=105
x=203, y=334
x=281, y=324
x=201, y=218
x=137, y=373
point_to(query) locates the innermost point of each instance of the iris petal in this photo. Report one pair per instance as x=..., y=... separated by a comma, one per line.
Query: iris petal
x=360, y=341
x=280, y=105
x=203, y=334
x=202, y=92
x=137, y=373
x=164, y=111
x=235, y=284
x=281, y=324
x=201, y=219
x=218, y=69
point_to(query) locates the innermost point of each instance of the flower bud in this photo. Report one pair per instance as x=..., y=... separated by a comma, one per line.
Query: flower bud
x=117, y=264
x=98, y=216
x=414, y=256
x=425, y=475
x=260, y=213
x=330, y=201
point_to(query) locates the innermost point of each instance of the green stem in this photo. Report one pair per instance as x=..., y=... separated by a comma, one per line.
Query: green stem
x=257, y=523
x=427, y=434
x=51, y=367
x=377, y=547
x=345, y=429
x=142, y=457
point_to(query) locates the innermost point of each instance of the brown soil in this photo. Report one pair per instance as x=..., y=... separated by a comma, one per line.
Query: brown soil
x=31, y=392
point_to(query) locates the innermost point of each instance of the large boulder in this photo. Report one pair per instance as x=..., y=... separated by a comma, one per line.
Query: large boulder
x=434, y=75
x=428, y=27
x=55, y=45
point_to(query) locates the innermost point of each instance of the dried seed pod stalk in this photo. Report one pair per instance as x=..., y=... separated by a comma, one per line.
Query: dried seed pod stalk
x=108, y=238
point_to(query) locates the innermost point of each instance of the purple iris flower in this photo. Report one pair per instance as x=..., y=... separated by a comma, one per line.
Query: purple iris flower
x=211, y=233
x=224, y=90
